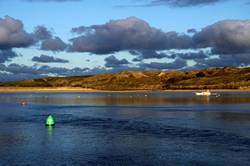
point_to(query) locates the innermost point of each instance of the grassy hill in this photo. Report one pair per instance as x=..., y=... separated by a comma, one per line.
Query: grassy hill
x=212, y=78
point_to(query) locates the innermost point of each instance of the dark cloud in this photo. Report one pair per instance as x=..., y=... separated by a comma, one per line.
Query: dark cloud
x=14, y=72
x=7, y=55
x=45, y=71
x=172, y=3
x=229, y=50
x=113, y=62
x=42, y=33
x=18, y=69
x=2, y=67
x=236, y=60
x=183, y=3
x=177, y=64
x=192, y=55
x=136, y=60
x=48, y=59
x=48, y=42
x=61, y=71
x=7, y=77
x=126, y=34
x=228, y=37
x=12, y=34
x=229, y=40
x=192, y=30
x=81, y=29
x=225, y=37
x=53, y=44
x=134, y=52
x=147, y=54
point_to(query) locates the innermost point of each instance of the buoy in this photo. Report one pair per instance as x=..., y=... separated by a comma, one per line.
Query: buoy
x=50, y=121
x=24, y=103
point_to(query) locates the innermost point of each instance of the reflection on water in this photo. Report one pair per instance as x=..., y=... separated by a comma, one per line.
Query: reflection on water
x=50, y=130
x=157, y=98
x=125, y=129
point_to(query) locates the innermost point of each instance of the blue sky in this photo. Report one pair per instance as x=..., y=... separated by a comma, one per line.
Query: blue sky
x=60, y=17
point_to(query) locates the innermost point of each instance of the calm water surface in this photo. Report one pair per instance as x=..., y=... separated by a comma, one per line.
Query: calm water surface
x=125, y=129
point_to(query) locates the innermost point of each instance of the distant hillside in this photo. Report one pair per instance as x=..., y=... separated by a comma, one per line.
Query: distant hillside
x=214, y=78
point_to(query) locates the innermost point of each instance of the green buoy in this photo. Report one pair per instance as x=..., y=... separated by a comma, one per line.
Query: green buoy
x=50, y=121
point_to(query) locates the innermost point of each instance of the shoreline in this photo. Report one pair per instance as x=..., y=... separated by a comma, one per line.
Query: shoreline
x=82, y=90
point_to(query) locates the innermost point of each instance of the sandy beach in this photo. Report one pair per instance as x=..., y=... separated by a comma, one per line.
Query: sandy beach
x=75, y=89
x=41, y=90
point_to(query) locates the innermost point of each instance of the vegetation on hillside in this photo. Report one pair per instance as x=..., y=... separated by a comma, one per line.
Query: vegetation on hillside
x=212, y=78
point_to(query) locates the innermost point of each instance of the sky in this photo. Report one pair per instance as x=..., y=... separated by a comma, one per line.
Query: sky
x=40, y=38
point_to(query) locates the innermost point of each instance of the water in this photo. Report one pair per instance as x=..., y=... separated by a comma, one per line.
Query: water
x=125, y=129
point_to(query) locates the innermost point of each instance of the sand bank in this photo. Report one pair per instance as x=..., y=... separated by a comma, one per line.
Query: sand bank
x=75, y=89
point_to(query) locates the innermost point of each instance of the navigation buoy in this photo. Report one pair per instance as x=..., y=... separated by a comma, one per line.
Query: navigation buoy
x=24, y=103
x=50, y=121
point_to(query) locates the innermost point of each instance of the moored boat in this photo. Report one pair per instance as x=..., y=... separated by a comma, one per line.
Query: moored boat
x=205, y=93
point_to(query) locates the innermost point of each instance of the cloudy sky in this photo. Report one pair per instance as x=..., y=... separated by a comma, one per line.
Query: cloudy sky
x=40, y=38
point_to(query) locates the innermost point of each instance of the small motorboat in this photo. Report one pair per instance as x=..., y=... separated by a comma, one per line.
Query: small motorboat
x=205, y=93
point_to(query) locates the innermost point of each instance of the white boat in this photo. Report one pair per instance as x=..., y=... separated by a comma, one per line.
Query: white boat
x=205, y=93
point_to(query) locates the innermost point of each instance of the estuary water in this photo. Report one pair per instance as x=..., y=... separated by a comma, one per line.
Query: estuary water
x=156, y=128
